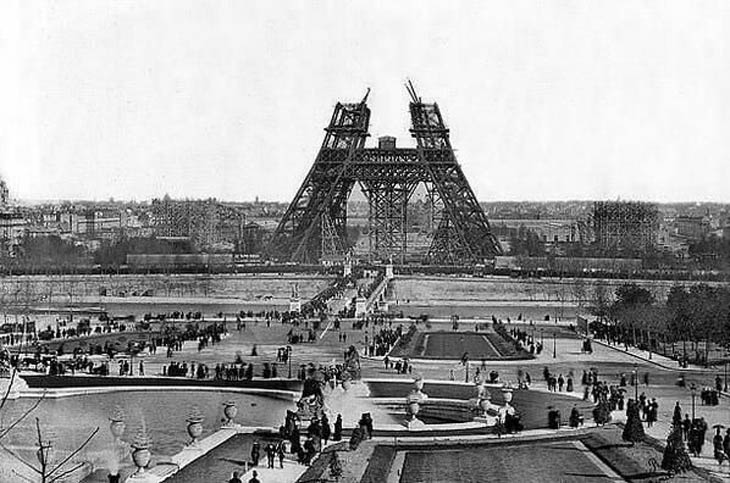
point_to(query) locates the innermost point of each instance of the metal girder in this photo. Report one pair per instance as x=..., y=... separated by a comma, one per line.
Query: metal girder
x=464, y=233
x=387, y=230
x=298, y=236
x=315, y=222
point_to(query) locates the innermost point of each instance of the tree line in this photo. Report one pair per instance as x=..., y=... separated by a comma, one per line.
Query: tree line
x=685, y=325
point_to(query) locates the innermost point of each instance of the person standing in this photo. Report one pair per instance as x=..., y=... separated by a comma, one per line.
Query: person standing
x=717, y=447
x=326, y=431
x=254, y=478
x=280, y=453
x=677, y=417
x=651, y=412
x=309, y=451
x=686, y=426
x=701, y=432
x=235, y=478
x=338, y=428
x=255, y=453
x=270, y=455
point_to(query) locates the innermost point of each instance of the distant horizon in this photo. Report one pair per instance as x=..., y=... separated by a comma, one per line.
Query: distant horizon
x=188, y=198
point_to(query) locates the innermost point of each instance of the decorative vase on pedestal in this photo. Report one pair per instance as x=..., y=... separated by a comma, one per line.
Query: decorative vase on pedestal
x=195, y=425
x=117, y=424
x=419, y=383
x=484, y=405
x=507, y=394
x=230, y=410
x=413, y=408
x=141, y=454
x=413, y=404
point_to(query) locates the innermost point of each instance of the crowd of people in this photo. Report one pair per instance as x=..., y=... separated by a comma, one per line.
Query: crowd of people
x=556, y=384
x=400, y=366
x=383, y=340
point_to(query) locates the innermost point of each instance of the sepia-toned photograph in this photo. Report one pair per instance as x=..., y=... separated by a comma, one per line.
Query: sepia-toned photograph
x=364, y=241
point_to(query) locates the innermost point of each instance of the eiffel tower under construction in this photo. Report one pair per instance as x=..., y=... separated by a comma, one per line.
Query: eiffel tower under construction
x=314, y=225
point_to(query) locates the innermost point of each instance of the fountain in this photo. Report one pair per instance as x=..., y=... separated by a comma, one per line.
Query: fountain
x=351, y=369
x=508, y=416
x=413, y=404
x=487, y=411
x=311, y=404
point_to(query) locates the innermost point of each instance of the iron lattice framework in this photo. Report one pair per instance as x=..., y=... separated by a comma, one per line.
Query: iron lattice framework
x=314, y=225
x=625, y=226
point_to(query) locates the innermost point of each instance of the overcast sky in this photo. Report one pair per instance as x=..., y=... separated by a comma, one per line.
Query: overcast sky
x=546, y=100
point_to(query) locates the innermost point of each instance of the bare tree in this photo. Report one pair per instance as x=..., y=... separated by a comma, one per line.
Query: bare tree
x=47, y=470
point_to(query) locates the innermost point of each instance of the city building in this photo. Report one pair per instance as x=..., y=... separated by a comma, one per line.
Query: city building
x=12, y=230
x=692, y=227
x=548, y=230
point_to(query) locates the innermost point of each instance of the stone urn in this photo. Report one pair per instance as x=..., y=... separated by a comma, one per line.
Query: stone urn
x=117, y=424
x=413, y=405
x=195, y=425
x=141, y=454
x=419, y=383
x=507, y=394
x=230, y=410
x=484, y=405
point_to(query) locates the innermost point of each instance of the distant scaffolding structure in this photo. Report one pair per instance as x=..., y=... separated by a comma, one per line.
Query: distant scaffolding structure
x=625, y=226
x=206, y=223
x=4, y=194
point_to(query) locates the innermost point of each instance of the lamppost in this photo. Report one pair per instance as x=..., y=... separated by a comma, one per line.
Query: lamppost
x=288, y=358
x=542, y=339
x=555, y=345
x=693, y=390
x=636, y=383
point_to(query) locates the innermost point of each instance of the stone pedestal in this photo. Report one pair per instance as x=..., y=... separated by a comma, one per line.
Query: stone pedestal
x=415, y=423
x=360, y=307
x=389, y=275
x=295, y=304
x=347, y=269
x=486, y=420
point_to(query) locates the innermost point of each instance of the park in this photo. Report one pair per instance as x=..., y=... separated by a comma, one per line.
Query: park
x=504, y=377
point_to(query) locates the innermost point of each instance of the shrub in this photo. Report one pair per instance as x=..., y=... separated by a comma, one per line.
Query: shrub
x=676, y=459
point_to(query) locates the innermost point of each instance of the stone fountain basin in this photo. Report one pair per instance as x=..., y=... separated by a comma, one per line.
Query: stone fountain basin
x=432, y=410
x=532, y=405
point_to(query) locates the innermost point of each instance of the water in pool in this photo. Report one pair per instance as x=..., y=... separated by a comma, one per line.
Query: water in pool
x=68, y=421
